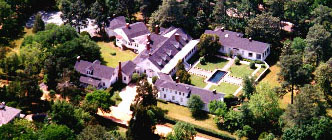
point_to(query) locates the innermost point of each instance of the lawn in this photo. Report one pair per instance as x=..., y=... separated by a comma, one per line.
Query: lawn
x=225, y=88
x=214, y=63
x=15, y=44
x=183, y=114
x=197, y=81
x=272, y=76
x=240, y=70
x=113, y=60
x=259, y=72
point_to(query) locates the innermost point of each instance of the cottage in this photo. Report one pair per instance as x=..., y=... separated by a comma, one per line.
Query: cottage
x=180, y=93
x=236, y=44
x=7, y=114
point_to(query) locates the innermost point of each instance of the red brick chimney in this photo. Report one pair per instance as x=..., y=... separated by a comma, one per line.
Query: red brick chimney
x=222, y=29
x=148, y=47
x=78, y=58
x=250, y=39
x=177, y=37
x=148, y=37
x=127, y=25
x=157, y=29
x=177, y=80
x=120, y=73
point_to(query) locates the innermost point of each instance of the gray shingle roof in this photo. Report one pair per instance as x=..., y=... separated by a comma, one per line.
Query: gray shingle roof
x=236, y=40
x=164, y=76
x=128, y=67
x=90, y=81
x=206, y=95
x=114, y=24
x=159, y=53
x=99, y=71
x=8, y=114
x=135, y=30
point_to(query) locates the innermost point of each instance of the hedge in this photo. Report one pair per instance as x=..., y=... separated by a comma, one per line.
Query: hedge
x=203, y=130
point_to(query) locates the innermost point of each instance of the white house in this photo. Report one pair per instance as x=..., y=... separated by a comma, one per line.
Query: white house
x=235, y=42
x=180, y=93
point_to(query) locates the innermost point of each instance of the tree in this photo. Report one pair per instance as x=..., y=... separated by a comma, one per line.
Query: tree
x=94, y=132
x=219, y=12
x=142, y=125
x=292, y=72
x=39, y=24
x=127, y=7
x=322, y=15
x=170, y=13
x=319, y=42
x=297, y=12
x=148, y=7
x=308, y=104
x=264, y=27
x=100, y=13
x=64, y=113
x=218, y=107
x=75, y=13
x=19, y=129
x=195, y=105
x=101, y=98
x=208, y=45
x=276, y=7
x=146, y=94
x=182, y=131
x=298, y=45
x=324, y=77
x=54, y=131
x=248, y=86
x=233, y=121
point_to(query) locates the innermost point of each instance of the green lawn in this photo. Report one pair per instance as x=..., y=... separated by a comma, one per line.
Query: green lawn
x=183, y=114
x=259, y=72
x=225, y=88
x=16, y=44
x=197, y=81
x=108, y=47
x=214, y=63
x=240, y=70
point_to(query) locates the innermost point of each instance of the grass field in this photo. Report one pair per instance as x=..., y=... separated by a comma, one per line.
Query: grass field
x=197, y=81
x=272, y=76
x=215, y=63
x=15, y=44
x=225, y=88
x=183, y=113
x=240, y=70
x=108, y=47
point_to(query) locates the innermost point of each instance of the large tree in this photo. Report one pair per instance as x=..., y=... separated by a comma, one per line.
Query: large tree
x=100, y=98
x=292, y=72
x=146, y=94
x=54, y=131
x=182, y=131
x=319, y=42
x=219, y=12
x=148, y=7
x=39, y=24
x=208, y=45
x=195, y=105
x=170, y=13
x=181, y=73
x=75, y=13
x=99, y=11
x=324, y=78
x=94, y=132
x=248, y=86
x=323, y=15
x=264, y=27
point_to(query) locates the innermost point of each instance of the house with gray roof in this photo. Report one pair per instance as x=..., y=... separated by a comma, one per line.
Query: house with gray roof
x=125, y=35
x=235, y=42
x=7, y=114
x=115, y=23
x=163, y=51
x=180, y=93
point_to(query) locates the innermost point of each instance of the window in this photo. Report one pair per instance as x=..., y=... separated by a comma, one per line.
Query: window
x=166, y=90
x=181, y=100
x=176, y=92
x=250, y=54
x=170, y=91
x=165, y=96
x=144, y=71
x=173, y=98
x=242, y=52
x=222, y=48
x=163, y=89
x=124, y=78
x=258, y=56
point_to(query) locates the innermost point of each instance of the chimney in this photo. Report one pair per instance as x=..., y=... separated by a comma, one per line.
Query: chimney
x=114, y=15
x=177, y=79
x=177, y=37
x=222, y=29
x=150, y=54
x=250, y=39
x=78, y=58
x=120, y=73
x=214, y=91
x=127, y=25
x=148, y=47
x=148, y=37
x=2, y=105
x=157, y=29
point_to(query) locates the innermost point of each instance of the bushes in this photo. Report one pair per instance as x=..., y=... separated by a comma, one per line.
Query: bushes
x=252, y=65
x=239, y=56
x=237, y=61
x=113, y=53
x=202, y=61
x=263, y=66
x=85, y=33
x=154, y=79
x=135, y=78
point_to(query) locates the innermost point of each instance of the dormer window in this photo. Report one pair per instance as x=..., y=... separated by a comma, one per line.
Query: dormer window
x=159, y=62
x=164, y=57
x=169, y=53
x=176, y=44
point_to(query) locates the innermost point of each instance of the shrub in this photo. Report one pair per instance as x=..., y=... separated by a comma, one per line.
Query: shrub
x=259, y=62
x=135, y=78
x=237, y=61
x=252, y=65
x=230, y=54
x=195, y=105
x=202, y=61
x=239, y=56
x=154, y=79
x=39, y=24
x=85, y=33
x=263, y=66
x=113, y=53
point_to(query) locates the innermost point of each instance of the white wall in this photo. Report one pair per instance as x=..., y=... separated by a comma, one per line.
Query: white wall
x=170, y=94
x=245, y=53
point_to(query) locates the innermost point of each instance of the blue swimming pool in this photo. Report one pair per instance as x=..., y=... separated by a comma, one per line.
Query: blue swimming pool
x=217, y=76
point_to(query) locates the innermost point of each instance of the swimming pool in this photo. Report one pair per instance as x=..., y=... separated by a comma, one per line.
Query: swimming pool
x=217, y=76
